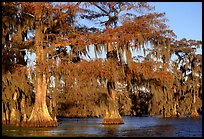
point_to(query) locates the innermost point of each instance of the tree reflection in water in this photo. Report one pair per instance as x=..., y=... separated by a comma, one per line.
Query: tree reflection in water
x=111, y=130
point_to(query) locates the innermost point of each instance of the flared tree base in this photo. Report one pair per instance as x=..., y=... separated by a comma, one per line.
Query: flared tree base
x=194, y=114
x=40, y=119
x=112, y=121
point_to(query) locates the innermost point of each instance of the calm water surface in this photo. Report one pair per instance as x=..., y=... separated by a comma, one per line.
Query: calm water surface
x=134, y=126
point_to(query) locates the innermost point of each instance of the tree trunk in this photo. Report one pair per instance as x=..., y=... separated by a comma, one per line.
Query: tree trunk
x=194, y=112
x=175, y=103
x=112, y=115
x=174, y=112
x=55, y=96
x=4, y=120
x=166, y=104
x=14, y=115
x=40, y=115
x=23, y=109
x=7, y=113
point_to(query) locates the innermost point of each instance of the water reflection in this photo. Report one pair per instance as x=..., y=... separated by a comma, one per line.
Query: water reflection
x=111, y=130
x=133, y=127
x=25, y=131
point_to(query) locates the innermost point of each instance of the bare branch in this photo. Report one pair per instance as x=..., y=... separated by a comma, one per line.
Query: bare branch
x=101, y=9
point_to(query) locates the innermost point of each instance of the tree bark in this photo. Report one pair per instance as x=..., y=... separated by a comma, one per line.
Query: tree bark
x=23, y=111
x=112, y=115
x=14, y=115
x=194, y=112
x=174, y=112
x=40, y=116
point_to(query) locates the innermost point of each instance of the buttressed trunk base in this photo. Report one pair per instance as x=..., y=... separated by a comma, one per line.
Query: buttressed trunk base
x=40, y=116
x=112, y=115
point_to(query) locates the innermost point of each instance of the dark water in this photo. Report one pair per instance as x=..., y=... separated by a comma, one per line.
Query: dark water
x=134, y=126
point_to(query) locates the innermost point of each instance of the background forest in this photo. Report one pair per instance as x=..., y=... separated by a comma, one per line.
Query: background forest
x=75, y=85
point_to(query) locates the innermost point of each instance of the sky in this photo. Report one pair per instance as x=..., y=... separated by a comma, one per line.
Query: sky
x=184, y=18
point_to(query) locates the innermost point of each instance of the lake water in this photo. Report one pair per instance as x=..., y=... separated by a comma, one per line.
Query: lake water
x=133, y=127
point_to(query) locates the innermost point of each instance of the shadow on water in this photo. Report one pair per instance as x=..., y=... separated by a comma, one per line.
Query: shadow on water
x=133, y=127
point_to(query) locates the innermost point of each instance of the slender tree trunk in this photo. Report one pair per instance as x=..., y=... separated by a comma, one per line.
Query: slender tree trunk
x=14, y=113
x=165, y=106
x=4, y=120
x=194, y=112
x=7, y=113
x=40, y=115
x=54, y=97
x=112, y=115
x=23, y=111
x=175, y=104
x=129, y=61
x=121, y=53
x=128, y=56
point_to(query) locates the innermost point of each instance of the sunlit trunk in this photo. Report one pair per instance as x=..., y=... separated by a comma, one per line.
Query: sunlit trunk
x=7, y=114
x=23, y=108
x=54, y=97
x=194, y=112
x=14, y=115
x=129, y=86
x=121, y=55
x=112, y=115
x=40, y=115
x=175, y=104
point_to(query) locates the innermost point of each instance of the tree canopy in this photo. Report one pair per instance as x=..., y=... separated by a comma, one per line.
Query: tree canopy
x=62, y=44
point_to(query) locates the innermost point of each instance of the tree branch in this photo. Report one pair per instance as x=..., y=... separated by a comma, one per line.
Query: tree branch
x=29, y=14
x=101, y=9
